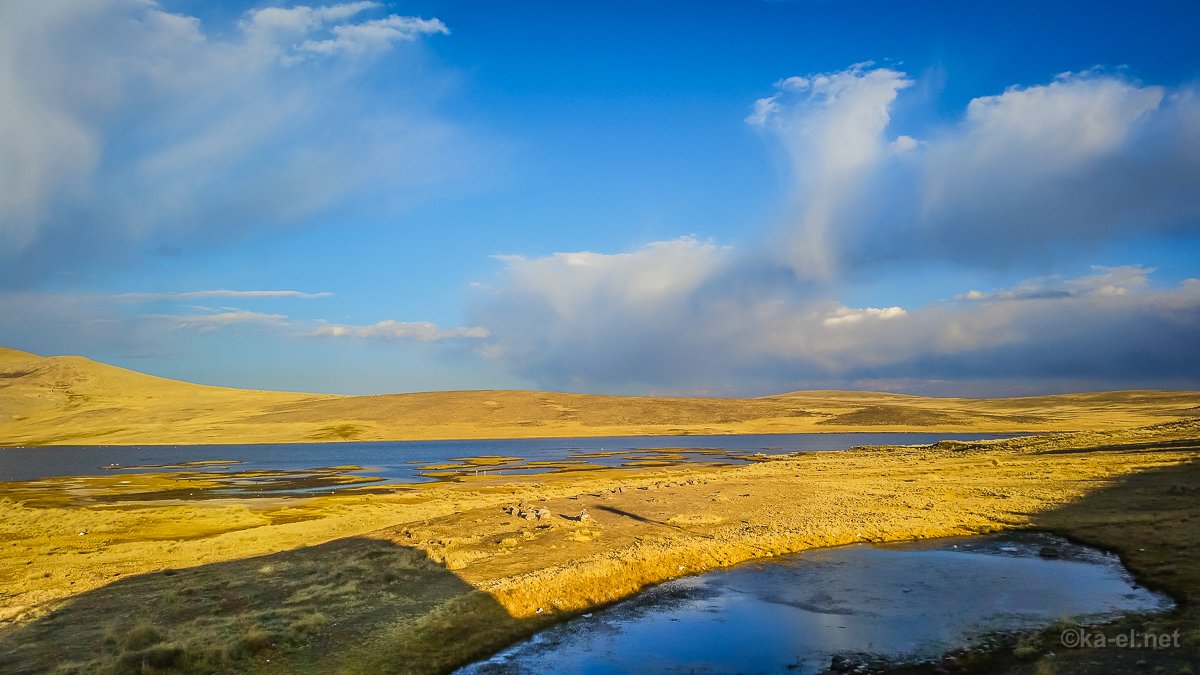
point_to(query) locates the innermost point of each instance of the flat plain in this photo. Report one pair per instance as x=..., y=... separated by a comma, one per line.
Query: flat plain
x=98, y=576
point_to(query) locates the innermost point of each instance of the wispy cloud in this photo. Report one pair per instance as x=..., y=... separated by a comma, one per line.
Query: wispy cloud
x=420, y=331
x=123, y=323
x=210, y=320
x=1105, y=281
x=294, y=33
x=214, y=321
x=217, y=293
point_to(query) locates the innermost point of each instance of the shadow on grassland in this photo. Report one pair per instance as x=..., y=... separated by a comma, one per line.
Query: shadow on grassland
x=354, y=604
x=1151, y=519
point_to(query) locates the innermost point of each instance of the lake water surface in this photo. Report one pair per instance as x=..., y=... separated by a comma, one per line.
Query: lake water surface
x=422, y=461
x=793, y=614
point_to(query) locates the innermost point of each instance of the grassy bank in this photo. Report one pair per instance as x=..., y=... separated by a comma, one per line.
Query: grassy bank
x=419, y=579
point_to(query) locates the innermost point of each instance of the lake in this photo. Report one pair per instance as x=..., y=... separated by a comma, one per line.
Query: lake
x=281, y=468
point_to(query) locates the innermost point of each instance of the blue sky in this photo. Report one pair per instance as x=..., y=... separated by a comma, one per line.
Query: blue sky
x=930, y=197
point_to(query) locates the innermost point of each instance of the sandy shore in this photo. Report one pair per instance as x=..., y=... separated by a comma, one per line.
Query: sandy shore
x=442, y=574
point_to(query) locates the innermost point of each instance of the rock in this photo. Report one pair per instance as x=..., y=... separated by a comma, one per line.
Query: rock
x=583, y=516
x=1049, y=552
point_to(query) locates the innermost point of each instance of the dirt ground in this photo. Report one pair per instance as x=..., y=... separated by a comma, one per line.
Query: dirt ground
x=94, y=577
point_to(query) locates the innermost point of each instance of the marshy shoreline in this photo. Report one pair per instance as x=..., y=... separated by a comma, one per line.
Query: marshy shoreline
x=424, y=578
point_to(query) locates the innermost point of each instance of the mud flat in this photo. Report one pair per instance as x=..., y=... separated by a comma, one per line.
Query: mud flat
x=426, y=578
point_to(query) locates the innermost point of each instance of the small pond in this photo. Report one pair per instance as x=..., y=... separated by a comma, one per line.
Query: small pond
x=793, y=614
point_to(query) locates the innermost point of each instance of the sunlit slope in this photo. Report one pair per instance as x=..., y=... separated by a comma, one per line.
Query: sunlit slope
x=72, y=400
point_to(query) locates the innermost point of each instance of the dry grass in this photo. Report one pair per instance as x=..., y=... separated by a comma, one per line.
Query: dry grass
x=65, y=400
x=442, y=574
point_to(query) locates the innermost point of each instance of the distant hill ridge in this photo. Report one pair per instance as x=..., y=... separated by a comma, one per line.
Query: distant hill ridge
x=73, y=400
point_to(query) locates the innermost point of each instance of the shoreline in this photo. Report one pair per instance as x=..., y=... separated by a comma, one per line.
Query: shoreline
x=1009, y=433
x=443, y=571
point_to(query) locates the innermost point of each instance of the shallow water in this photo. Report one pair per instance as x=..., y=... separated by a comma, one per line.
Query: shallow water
x=423, y=461
x=901, y=602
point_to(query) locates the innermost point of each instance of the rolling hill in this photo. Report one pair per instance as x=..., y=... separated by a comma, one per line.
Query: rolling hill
x=71, y=400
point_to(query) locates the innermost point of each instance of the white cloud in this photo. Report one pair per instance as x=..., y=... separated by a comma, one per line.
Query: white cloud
x=649, y=279
x=573, y=320
x=845, y=315
x=1074, y=118
x=127, y=127
x=295, y=33
x=212, y=322
x=374, y=35
x=904, y=144
x=1024, y=175
x=291, y=25
x=421, y=331
x=831, y=126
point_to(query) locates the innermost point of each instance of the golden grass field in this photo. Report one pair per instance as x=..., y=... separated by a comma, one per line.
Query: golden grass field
x=72, y=400
x=97, y=576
